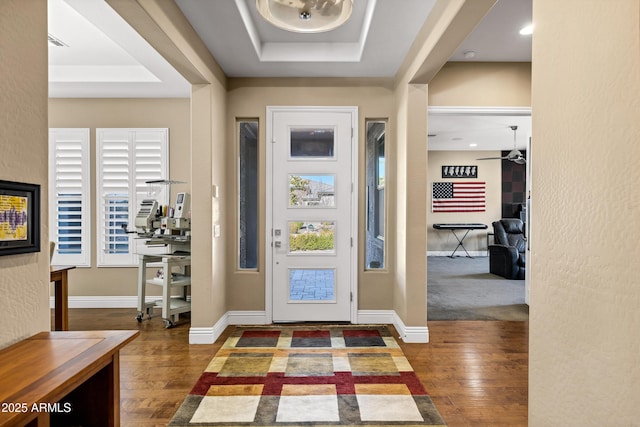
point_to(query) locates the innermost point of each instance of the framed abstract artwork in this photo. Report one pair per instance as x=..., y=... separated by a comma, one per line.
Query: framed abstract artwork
x=19, y=218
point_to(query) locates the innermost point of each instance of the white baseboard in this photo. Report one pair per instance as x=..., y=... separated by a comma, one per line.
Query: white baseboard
x=410, y=334
x=208, y=335
x=459, y=253
x=202, y=335
x=384, y=317
x=247, y=317
x=413, y=334
x=93, y=301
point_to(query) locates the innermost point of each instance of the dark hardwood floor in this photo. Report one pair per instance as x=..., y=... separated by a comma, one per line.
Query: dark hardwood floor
x=475, y=371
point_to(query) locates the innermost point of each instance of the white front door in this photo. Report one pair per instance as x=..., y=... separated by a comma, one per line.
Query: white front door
x=311, y=199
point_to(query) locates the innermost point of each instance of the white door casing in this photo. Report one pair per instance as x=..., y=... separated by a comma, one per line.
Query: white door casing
x=311, y=214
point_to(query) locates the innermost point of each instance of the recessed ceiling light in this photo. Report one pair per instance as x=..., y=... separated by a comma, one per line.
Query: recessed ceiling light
x=473, y=145
x=526, y=31
x=469, y=54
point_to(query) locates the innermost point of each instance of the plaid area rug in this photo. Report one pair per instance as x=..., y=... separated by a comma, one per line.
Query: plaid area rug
x=308, y=376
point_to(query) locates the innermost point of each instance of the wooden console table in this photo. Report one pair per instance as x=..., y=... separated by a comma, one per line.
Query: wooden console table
x=62, y=378
x=59, y=277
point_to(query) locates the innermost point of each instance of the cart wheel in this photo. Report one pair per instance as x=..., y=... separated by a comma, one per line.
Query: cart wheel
x=168, y=323
x=139, y=317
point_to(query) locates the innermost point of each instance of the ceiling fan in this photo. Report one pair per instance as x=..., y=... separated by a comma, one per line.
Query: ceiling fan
x=514, y=155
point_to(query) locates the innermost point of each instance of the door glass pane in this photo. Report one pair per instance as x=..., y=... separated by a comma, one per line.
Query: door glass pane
x=306, y=284
x=312, y=142
x=312, y=237
x=312, y=191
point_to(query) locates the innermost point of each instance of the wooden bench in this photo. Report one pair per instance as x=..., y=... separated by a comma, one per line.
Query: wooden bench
x=62, y=378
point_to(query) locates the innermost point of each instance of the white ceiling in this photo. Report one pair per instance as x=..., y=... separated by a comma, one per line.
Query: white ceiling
x=372, y=43
x=105, y=57
x=497, y=38
x=453, y=129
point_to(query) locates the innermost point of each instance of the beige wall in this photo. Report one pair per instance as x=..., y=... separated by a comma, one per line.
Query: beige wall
x=208, y=169
x=410, y=284
x=489, y=171
x=585, y=219
x=584, y=293
x=123, y=113
x=504, y=84
x=24, y=279
x=249, y=99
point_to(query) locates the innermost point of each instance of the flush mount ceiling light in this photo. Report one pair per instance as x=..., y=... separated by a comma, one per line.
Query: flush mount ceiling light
x=469, y=54
x=305, y=16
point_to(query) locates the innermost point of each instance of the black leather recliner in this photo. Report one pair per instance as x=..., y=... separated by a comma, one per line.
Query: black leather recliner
x=507, y=255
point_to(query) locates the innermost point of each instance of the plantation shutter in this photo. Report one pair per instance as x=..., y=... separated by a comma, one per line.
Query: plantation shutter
x=151, y=163
x=69, y=196
x=126, y=158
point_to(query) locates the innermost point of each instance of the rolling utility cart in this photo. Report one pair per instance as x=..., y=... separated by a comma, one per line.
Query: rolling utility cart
x=172, y=306
x=168, y=230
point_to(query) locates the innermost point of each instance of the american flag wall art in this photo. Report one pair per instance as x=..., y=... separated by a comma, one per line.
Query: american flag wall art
x=458, y=197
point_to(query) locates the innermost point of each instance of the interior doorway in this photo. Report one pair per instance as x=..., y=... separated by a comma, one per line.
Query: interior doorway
x=461, y=136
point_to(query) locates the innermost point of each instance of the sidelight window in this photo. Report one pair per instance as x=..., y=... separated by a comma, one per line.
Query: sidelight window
x=376, y=177
x=248, y=194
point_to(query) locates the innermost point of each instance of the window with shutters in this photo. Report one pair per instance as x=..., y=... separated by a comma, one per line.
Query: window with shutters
x=70, y=196
x=126, y=159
